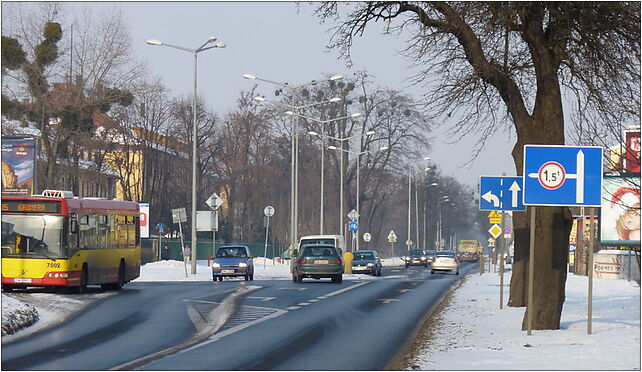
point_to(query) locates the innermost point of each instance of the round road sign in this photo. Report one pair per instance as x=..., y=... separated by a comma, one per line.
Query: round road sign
x=353, y=226
x=269, y=211
x=551, y=175
x=367, y=237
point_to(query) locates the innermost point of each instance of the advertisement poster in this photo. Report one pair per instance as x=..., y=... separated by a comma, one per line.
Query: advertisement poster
x=621, y=210
x=144, y=219
x=632, y=156
x=18, y=165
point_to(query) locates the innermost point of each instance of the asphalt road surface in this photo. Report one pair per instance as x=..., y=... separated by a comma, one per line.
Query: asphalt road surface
x=275, y=325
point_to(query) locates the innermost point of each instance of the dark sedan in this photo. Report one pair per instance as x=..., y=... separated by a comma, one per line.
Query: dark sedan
x=366, y=262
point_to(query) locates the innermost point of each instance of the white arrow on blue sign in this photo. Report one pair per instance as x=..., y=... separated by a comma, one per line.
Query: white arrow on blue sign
x=353, y=225
x=500, y=193
x=562, y=175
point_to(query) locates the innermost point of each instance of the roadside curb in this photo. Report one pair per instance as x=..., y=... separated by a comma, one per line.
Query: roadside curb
x=422, y=333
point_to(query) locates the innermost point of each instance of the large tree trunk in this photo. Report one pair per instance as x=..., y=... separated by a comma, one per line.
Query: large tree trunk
x=553, y=224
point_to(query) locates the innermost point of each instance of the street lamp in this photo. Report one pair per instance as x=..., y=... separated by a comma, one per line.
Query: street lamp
x=195, y=52
x=323, y=122
x=294, y=197
x=425, y=198
x=368, y=133
x=382, y=148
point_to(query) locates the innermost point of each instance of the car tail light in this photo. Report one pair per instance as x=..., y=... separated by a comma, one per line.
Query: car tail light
x=434, y=260
x=302, y=261
x=456, y=260
x=339, y=262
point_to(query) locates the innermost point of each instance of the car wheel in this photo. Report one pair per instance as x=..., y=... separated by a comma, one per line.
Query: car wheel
x=220, y=278
x=407, y=266
x=426, y=266
x=247, y=277
x=432, y=271
x=457, y=273
x=251, y=276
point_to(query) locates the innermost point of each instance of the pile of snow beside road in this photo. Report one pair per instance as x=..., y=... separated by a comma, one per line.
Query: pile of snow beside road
x=16, y=315
x=474, y=334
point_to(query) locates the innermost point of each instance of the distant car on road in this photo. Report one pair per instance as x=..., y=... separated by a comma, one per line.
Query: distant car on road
x=430, y=254
x=366, y=261
x=416, y=257
x=231, y=261
x=445, y=261
x=317, y=261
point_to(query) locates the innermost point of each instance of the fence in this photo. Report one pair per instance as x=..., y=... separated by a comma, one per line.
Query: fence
x=150, y=249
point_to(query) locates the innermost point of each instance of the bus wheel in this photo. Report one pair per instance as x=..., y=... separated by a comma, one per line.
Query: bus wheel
x=82, y=288
x=121, y=276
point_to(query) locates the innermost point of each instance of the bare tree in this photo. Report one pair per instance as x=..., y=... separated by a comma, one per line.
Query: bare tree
x=499, y=62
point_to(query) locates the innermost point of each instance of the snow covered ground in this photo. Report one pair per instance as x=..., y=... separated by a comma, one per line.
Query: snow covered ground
x=474, y=333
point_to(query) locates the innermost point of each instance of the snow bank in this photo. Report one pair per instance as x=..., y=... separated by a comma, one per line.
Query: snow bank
x=17, y=315
x=472, y=333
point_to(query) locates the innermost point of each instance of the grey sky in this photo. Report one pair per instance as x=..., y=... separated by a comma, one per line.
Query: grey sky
x=275, y=41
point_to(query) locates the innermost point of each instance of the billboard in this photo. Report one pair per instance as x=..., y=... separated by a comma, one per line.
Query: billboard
x=18, y=165
x=620, y=212
x=144, y=219
x=632, y=155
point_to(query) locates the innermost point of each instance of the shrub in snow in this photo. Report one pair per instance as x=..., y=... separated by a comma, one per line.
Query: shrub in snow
x=17, y=315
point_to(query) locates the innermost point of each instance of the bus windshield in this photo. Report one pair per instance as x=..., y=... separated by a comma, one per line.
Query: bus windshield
x=33, y=236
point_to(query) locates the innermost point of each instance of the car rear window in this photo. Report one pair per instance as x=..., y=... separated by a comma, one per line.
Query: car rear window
x=320, y=252
x=363, y=255
x=445, y=253
x=416, y=252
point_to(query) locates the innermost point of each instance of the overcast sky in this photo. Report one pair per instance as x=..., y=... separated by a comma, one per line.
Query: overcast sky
x=281, y=42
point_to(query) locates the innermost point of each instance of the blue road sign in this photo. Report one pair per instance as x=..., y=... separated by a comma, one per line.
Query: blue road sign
x=353, y=225
x=500, y=194
x=562, y=175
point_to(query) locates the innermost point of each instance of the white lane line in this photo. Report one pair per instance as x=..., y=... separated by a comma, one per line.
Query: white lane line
x=346, y=289
x=304, y=304
x=293, y=308
x=314, y=300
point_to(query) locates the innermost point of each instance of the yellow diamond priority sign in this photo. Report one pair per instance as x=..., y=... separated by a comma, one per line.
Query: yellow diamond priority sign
x=495, y=231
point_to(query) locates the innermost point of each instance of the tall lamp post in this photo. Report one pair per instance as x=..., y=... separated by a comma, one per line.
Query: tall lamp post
x=323, y=122
x=294, y=197
x=195, y=52
x=341, y=203
x=382, y=148
x=425, y=198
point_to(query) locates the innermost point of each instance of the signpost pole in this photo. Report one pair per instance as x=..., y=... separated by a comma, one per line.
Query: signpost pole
x=267, y=232
x=180, y=229
x=501, y=263
x=531, y=266
x=214, y=232
x=590, y=273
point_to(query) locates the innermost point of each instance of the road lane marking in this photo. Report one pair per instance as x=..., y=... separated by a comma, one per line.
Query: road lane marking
x=388, y=300
x=293, y=288
x=404, y=290
x=345, y=289
x=293, y=308
x=264, y=299
x=314, y=300
x=303, y=304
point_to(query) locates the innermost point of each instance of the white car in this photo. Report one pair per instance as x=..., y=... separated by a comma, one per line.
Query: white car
x=445, y=261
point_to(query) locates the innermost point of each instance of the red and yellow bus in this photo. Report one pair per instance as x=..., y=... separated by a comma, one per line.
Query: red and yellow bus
x=61, y=241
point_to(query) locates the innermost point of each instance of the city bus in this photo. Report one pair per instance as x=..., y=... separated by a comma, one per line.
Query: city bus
x=58, y=240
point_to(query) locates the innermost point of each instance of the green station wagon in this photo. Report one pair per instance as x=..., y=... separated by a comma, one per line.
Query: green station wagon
x=318, y=261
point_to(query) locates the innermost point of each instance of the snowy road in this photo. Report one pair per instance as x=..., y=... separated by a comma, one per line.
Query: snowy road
x=278, y=325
